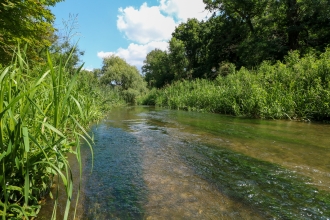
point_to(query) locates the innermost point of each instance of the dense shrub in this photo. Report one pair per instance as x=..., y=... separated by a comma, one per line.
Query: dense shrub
x=296, y=88
x=43, y=116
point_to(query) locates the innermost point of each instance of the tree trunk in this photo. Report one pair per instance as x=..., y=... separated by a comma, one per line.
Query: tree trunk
x=292, y=25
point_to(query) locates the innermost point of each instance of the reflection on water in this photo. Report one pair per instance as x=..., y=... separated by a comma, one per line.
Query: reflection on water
x=161, y=164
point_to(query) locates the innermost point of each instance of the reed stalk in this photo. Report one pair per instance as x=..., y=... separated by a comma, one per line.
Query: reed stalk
x=43, y=117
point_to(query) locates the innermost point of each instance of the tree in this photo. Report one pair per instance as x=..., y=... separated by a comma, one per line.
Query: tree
x=178, y=59
x=189, y=34
x=275, y=27
x=243, y=31
x=25, y=22
x=156, y=69
x=116, y=72
x=225, y=39
x=246, y=10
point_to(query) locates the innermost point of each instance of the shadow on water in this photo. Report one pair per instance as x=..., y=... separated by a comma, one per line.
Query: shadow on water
x=115, y=189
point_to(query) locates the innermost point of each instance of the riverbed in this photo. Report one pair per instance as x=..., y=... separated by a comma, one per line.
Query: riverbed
x=153, y=163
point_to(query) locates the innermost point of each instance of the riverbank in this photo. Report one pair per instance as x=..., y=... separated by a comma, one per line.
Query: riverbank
x=44, y=113
x=298, y=88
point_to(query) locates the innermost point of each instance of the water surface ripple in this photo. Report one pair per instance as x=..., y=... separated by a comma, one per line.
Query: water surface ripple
x=153, y=163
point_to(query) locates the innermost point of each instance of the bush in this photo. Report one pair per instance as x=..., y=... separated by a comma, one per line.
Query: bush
x=298, y=88
x=43, y=116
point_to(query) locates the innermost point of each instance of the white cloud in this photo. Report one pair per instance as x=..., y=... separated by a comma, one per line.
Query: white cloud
x=90, y=69
x=152, y=27
x=184, y=9
x=135, y=54
x=103, y=54
x=145, y=25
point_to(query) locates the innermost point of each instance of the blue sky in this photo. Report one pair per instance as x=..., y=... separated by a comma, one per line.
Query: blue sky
x=127, y=28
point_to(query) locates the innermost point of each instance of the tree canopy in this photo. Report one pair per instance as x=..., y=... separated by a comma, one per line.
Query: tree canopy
x=244, y=33
x=269, y=29
x=156, y=73
x=25, y=22
x=118, y=73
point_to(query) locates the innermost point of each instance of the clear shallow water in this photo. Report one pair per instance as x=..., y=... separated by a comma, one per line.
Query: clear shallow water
x=162, y=164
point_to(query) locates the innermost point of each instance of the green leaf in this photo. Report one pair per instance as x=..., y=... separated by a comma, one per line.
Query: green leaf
x=26, y=185
x=26, y=139
x=51, y=127
x=16, y=188
x=17, y=162
x=79, y=107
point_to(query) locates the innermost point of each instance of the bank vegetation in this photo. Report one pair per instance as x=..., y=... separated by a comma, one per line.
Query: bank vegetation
x=298, y=88
x=264, y=59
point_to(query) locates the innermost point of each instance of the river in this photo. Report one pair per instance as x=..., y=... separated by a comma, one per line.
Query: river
x=153, y=163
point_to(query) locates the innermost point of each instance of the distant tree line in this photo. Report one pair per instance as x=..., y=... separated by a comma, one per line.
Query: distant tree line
x=240, y=32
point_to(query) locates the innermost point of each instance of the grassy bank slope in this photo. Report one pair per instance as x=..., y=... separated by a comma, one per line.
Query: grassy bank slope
x=43, y=116
x=298, y=88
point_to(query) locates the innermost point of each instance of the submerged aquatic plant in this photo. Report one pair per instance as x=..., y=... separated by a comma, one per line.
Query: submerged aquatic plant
x=267, y=188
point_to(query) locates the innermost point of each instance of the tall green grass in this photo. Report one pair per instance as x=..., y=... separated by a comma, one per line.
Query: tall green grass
x=297, y=88
x=43, y=116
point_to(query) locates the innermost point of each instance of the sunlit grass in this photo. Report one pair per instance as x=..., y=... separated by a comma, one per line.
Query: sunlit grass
x=43, y=116
x=300, y=88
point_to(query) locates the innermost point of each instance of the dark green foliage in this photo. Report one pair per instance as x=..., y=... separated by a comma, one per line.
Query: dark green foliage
x=300, y=88
x=193, y=36
x=26, y=22
x=268, y=30
x=245, y=33
x=156, y=72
